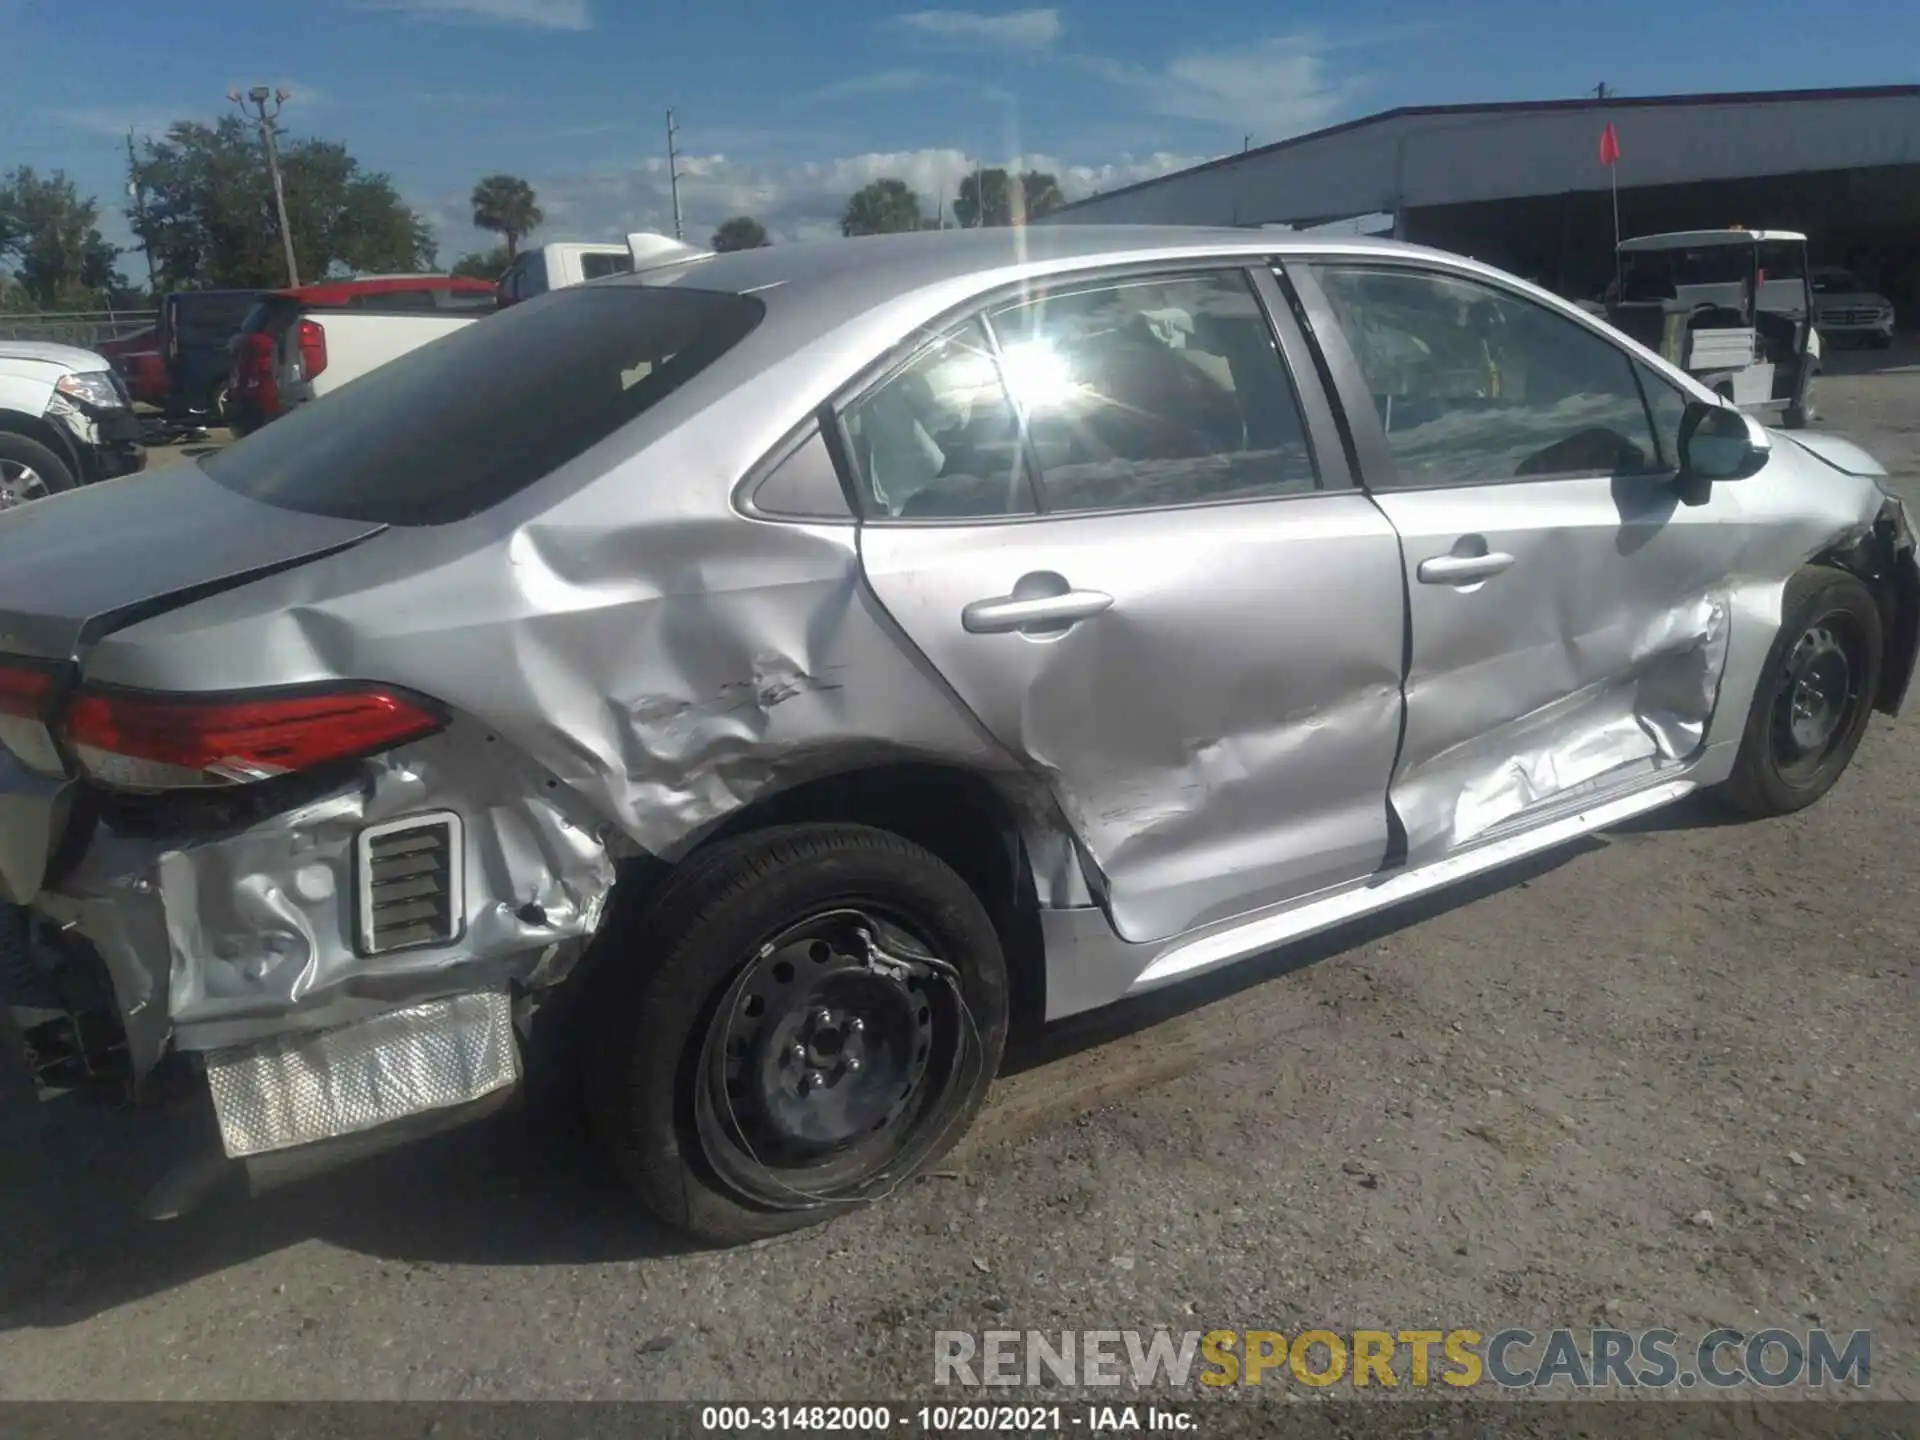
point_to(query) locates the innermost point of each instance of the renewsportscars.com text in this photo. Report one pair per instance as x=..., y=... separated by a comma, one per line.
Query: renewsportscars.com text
x=1508, y=1359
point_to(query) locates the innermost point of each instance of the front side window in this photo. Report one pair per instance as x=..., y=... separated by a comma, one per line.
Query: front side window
x=1154, y=392
x=1473, y=384
x=938, y=439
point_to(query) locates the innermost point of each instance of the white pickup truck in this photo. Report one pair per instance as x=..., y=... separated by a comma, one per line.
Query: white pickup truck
x=299, y=344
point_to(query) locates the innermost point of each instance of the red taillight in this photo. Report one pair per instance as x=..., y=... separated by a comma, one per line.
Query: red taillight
x=24, y=693
x=163, y=742
x=26, y=697
x=313, y=349
x=253, y=372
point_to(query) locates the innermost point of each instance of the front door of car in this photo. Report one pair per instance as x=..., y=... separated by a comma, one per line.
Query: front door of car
x=1151, y=580
x=1569, y=616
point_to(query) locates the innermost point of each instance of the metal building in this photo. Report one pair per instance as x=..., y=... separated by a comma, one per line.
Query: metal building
x=1521, y=184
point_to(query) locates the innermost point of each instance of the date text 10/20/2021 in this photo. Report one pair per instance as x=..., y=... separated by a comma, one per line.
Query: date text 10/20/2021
x=946, y=1419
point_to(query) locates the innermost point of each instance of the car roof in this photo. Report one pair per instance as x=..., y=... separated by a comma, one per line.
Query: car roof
x=1702, y=239
x=884, y=266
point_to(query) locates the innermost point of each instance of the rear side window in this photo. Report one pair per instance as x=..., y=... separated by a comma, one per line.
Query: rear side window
x=461, y=424
x=598, y=267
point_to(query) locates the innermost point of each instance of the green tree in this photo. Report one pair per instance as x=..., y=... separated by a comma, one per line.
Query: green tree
x=992, y=197
x=483, y=264
x=506, y=205
x=742, y=232
x=52, y=238
x=884, y=207
x=210, y=217
x=1041, y=192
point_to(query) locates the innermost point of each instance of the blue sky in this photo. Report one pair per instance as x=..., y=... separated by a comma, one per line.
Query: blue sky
x=785, y=108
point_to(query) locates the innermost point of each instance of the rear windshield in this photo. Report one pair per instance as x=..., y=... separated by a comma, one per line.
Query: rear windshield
x=269, y=313
x=209, y=320
x=461, y=424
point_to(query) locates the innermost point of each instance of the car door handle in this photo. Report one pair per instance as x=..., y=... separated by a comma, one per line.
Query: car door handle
x=1014, y=612
x=1463, y=569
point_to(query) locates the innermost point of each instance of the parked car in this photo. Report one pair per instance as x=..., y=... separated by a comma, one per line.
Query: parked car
x=557, y=266
x=196, y=331
x=300, y=344
x=772, y=676
x=1847, y=308
x=66, y=419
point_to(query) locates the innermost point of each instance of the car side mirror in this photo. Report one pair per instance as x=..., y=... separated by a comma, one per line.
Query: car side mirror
x=1718, y=443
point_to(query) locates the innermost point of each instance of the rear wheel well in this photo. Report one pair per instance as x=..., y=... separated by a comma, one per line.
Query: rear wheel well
x=960, y=817
x=956, y=814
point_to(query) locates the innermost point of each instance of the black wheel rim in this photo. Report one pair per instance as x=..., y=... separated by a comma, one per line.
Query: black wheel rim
x=1818, y=697
x=833, y=1061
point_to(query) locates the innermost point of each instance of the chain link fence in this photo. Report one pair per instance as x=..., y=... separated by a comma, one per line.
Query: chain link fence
x=88, y=329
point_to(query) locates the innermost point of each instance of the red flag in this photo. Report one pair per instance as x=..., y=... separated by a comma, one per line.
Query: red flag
x=1609, y=145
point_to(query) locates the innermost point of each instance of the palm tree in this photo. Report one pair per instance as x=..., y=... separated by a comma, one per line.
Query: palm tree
x=505, y=204
x=884, y=207
x=742, y=232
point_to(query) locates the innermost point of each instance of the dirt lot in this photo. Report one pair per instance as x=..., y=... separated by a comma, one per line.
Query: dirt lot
x=1507, y=1109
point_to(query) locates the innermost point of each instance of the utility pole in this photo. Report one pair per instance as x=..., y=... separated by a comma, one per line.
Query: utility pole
x=140, y=215
x=673, y=173
x=1603, y=91
x=268, y=121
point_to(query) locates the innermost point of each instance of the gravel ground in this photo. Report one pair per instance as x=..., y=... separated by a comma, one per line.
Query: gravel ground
x=1510, y=1108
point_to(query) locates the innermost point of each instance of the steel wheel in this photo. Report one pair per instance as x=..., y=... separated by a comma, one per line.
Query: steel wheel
x=19, y=483
x=842, y=1037
x=1818, y=695
x=1815, y=697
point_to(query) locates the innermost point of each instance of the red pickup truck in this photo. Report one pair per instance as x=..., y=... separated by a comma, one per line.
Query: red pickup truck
x=298, y=344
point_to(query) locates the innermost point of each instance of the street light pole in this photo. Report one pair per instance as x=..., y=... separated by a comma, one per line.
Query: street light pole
x=673, y=173
x=268, y=121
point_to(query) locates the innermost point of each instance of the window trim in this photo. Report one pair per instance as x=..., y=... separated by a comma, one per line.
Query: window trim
x=1332, y=473
x=1379, y=470
x=746, y=491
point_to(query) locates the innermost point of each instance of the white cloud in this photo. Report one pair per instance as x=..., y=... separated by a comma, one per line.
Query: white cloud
x=1270, y=89
x=795, y=201
x=535, y=14
x=1010, y=30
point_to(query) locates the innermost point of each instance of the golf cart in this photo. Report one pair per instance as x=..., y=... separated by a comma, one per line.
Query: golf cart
x=1732, y=307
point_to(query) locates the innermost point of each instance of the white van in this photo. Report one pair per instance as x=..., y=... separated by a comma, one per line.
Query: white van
x=554, y=267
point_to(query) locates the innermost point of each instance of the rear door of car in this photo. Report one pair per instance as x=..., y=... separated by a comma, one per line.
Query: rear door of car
x=1569, y=616
x=1115, y=514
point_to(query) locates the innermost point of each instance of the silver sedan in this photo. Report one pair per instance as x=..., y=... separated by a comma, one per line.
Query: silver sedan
x=766, y=678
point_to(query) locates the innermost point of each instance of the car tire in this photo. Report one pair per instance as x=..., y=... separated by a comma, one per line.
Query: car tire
x=1800, y=412
x=1814, y=697
x=763, y=1065
x=21, y=457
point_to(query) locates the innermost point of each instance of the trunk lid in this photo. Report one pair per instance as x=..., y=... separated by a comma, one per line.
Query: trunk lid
x=92, y=560
x=76, y=566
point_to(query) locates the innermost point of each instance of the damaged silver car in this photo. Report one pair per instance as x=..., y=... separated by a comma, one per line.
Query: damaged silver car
x=796, y=666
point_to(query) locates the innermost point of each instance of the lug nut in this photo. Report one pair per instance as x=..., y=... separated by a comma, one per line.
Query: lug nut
x=797, y=1051
x=823, y=1018
x=853, y=1067
x=815, y=1080
x=856, y=1026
